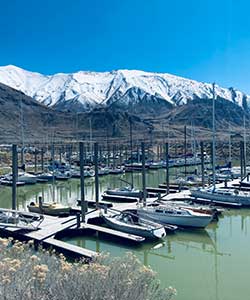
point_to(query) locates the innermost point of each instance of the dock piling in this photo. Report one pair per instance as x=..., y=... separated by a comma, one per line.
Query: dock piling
x=14, y=175
x=185, y=148
x=83, y=203
x=36, y=160
x=143, y=173
x=167, y=167
x=96, y=174
x=202, y=163
x=78, y=220
x=42, y=159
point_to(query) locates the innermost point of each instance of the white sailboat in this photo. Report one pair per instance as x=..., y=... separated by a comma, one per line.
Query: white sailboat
x=215, y=194
x=175, y=216
x=134, y=224
x=222, y=195
x=23, y=177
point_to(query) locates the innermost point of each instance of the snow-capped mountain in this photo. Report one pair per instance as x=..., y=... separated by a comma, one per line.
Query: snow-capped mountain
x=87, y=90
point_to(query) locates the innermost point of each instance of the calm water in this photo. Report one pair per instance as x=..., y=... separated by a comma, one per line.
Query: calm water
x=202, y=265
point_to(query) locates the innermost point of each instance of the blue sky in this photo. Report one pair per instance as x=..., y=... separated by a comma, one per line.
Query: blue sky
x=206, y=40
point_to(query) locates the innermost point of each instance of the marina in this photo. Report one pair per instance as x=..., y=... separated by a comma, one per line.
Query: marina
x=124, y=150
x=178, y=251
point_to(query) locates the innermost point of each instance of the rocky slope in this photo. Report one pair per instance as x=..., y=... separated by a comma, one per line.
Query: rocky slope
x=24, y=119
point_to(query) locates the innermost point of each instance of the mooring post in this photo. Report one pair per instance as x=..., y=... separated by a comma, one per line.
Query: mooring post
x=35, y=160
x=53, y=170
x=120, y=154
x=14, y=175
x=131, y=151
x=42, y=159
x=96, y=174
x=40, y=203
x=143, y=173
x=113, y=155
x=108, y=155
x=78, y=220
x=202, y=164
x=138, y=154
x=167, y=167
x=83, y=203
x=60, y=155
x=185, y=148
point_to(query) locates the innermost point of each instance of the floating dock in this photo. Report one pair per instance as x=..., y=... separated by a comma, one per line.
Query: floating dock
x=116, y=198
x=53, y=228
x=44, y=235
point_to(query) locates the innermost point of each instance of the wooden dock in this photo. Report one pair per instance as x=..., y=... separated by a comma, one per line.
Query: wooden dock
x=112, y=232
x=53, y=227
x=214, y=202
x=92, y=203
x=174, y=187
x=45, y=236
x=156, y=191
x=116, y=198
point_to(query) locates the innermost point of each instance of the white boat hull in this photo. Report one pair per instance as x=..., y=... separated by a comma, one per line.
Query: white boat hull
x=155, y=233
x=237, y=199
x=182, y=221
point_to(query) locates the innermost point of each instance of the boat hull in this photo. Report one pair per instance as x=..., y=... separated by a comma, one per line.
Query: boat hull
x=48, y=211
x=245, y=201
x=134, y=194
x=149, y=234
x=181, y=221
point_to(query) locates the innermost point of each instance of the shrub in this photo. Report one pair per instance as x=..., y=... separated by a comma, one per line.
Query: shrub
x=29, y=275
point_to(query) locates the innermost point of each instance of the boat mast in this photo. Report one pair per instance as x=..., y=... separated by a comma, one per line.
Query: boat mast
x=131, y=153
x=90, y=138
x=185, y=149
x=230, y=148
x=194, y=145
x=214, y=136
x=245, y=143
x=22, y=133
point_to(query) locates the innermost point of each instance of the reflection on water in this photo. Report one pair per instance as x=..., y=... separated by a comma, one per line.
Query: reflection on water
x=202, y=264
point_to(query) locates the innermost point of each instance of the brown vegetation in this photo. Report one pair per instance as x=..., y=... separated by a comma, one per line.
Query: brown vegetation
x=29, y=275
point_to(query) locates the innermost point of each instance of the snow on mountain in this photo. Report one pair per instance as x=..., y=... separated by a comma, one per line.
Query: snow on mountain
x=89, y=89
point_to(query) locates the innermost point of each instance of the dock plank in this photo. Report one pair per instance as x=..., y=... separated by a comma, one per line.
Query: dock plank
x=51, y=229
x=76, y=250
x=119, y=198
x=113, y=232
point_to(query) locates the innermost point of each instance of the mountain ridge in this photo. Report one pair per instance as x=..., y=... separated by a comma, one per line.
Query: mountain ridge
x=87, y=90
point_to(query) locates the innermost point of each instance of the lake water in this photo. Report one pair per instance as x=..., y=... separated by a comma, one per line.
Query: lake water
x=211, y=264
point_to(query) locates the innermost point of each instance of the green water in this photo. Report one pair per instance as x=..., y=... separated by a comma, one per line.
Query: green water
x=202, y=265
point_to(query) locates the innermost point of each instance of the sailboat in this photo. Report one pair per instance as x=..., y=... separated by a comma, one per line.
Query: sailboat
x=52, y=209
x=167, y=214
x=127, y=191
x=20, y=219
x=25, y=177
x=48, y=208
x=134, y=224
x=215, y=194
